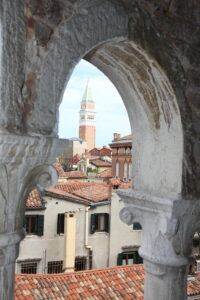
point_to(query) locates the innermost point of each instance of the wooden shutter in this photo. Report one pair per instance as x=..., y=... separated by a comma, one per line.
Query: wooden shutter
x=139, y=259
x=40, y=225
x=60, y=223
x=119, y=259
x=106, y=222
x=93, y=223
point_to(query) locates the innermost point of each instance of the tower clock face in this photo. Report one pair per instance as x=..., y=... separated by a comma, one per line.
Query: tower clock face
x=83, y=105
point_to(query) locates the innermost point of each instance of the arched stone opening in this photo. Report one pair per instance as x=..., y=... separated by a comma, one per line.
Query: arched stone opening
x=99, y=33
x=127, y=48
x=153, y=112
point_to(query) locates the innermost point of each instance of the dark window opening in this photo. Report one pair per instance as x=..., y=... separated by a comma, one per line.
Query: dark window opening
x=100, y=222
x=128, y=258
x=60, y=223
x=29, y=268
x=35, y=224
x=80, y=263
x=137, y=226
x=55, y=267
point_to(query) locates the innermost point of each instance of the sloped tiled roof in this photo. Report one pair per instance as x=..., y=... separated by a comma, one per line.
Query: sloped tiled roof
x=63, y=195
x=110, y=283
x=193, y=286
x=57, y=165
x=34, y=200
x=100, y=163
x=95, y=192
x=75, y=174
x=105, y=174
x=115, y=181
x=121, y=282
x=84, y=191
x=125, y=185
x=72, y=174
x=74, y=160
x=72, y=186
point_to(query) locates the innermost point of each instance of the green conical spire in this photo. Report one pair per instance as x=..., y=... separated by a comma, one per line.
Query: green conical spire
x=87, y=96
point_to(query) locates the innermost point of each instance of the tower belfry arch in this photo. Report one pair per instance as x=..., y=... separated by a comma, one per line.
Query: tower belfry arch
x=129, y=43
x=87, y=117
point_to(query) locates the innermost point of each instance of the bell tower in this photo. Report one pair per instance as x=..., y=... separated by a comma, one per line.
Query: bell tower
x=87, y=118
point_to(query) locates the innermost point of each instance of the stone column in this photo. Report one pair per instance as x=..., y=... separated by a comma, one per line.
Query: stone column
x=25, y=164
x=168, y=225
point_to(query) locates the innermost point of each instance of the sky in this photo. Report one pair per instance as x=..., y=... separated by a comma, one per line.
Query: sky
x=111, y=114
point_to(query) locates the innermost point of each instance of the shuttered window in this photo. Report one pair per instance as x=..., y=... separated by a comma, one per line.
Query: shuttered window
x=99, y=222
x=129, y=257
x=35, y=224
x=60, y=223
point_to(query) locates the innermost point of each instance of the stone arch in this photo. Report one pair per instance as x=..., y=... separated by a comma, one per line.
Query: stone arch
x=147, y=92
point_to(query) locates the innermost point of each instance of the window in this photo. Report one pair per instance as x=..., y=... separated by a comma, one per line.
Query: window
x=125, y=170
x=117, y=169
x=129, y=257
x=80, y=263
x=29, y=268
x=90, y=117
x=130, y=170
x=60, y=223
x=55, y=267
x=99, y=222
x=35, y=224
x=137, y=226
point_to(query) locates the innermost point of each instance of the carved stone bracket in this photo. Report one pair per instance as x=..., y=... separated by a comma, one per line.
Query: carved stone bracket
x=25, y=163
x=169, y=224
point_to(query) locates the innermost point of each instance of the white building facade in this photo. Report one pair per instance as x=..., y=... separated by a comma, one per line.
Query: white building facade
x=97, y=243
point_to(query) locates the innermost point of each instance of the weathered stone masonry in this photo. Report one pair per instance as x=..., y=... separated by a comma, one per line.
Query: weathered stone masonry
x=150, y=51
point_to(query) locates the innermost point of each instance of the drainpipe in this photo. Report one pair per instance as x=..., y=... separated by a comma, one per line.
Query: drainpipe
x=110, y=216
x=88, y=247
x=69, y=241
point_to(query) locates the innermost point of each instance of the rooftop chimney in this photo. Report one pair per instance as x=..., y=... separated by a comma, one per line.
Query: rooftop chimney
x=69, y=241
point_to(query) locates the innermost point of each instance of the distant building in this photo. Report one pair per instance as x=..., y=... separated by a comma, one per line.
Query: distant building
x=76, y=146
x=122, y=157
x=87, y=120
x=94, y=232
x=104, y=151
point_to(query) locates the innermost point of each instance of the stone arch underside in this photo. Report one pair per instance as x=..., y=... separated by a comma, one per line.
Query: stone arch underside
x=153, y=112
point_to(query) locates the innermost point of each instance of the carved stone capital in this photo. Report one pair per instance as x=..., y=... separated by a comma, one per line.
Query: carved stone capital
x=25, y=164
x=168, y=223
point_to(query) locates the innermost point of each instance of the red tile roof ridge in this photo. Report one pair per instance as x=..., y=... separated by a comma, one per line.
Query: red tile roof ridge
x=64, y=193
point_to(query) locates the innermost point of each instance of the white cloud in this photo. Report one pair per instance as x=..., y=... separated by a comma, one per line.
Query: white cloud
x=111, y=113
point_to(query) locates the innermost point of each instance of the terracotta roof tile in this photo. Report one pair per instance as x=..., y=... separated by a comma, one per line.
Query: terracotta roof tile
x=105, y=174
x=62, y=194
x=100, y=162
x=94, y=192
x=125, y=185
x=72, y=174
x=57, y=165
x=115, y=181
x=34, y=200
x=74, y=160
x=84, y=191
x=75, y=174
x=93, y=284
x=121, y=282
